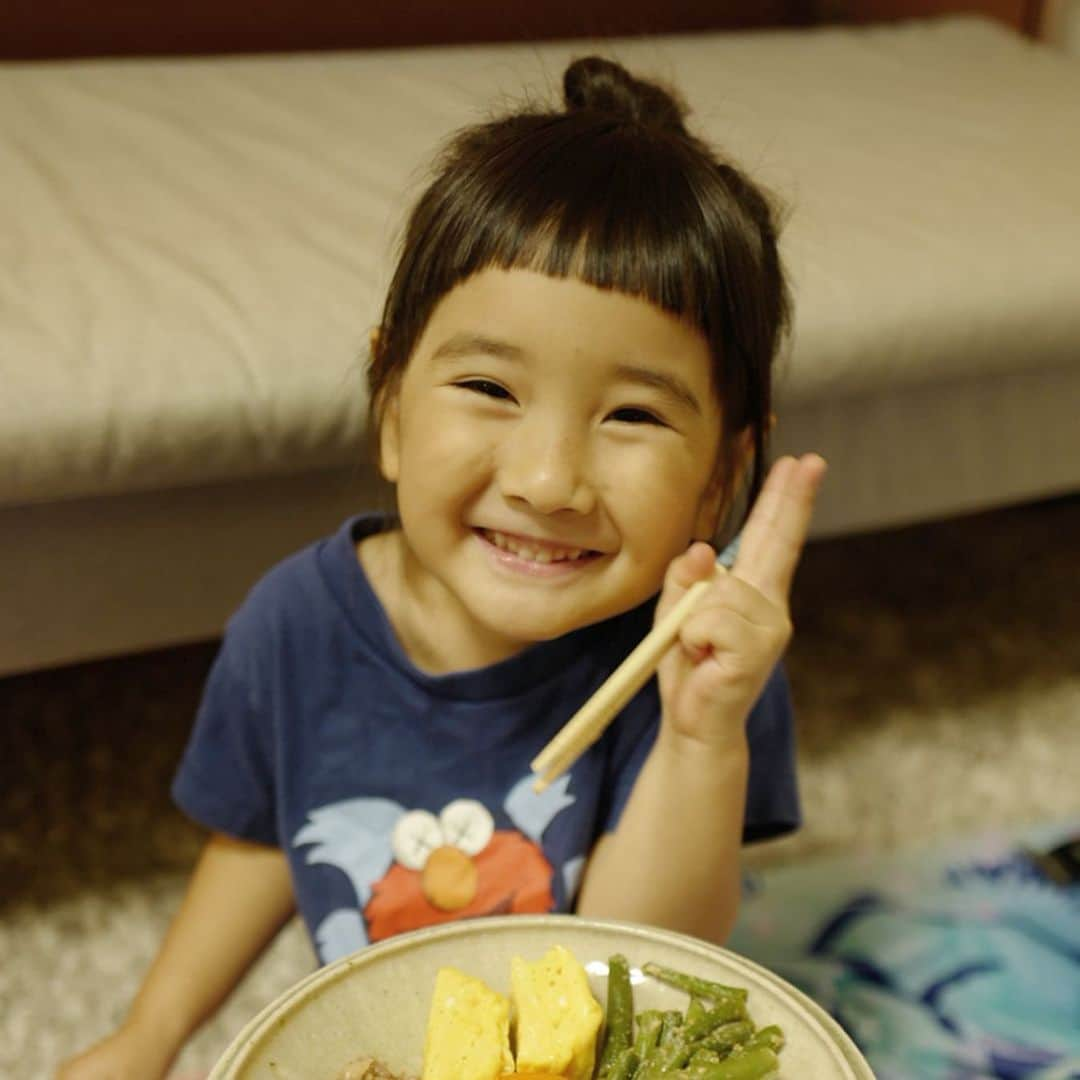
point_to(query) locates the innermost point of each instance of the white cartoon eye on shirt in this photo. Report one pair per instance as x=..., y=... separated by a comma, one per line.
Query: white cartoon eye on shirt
x=468, y=825
x=416, y=835
x=464, y=823
x=441, y=849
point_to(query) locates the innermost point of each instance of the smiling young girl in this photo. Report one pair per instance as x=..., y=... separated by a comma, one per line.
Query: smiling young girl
x=570, y=389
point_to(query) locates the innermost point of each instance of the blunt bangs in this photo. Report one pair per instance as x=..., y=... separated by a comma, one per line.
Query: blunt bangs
x=585, y=197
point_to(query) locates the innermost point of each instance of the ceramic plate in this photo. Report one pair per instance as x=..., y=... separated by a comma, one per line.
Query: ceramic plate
x=375, y=1002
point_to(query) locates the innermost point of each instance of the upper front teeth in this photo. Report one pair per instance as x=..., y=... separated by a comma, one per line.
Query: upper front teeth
x=533, y=554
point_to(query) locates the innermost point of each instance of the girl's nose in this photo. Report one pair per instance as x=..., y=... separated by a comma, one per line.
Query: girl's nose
x=545, y=467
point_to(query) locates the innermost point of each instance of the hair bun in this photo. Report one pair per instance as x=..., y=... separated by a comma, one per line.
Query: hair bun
x=603, y=86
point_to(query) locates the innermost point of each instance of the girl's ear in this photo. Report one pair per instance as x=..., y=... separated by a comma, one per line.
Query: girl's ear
x=720, y=496
x=389, y=425
x=710, y=509
x=390, y=435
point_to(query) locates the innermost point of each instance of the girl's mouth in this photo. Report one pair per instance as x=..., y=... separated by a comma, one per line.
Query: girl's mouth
x=541, y=558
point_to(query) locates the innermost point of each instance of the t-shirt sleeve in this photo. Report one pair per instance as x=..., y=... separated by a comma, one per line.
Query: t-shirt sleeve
x=772, y=796
x=225, y=777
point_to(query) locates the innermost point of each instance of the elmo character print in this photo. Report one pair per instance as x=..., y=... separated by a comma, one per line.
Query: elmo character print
x=456, y=866
x=411, y=868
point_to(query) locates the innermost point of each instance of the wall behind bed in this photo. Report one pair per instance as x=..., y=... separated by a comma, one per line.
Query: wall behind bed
x=72, y=28
x=55, y=28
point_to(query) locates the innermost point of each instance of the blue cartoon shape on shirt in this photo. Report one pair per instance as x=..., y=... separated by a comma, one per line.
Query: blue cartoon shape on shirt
x=354, y=836
x=411, y=868
x=533, y=811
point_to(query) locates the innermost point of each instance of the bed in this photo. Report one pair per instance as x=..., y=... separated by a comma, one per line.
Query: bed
x=196, y=241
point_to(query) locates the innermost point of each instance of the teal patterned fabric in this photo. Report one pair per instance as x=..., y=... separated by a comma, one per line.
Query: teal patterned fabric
x=958, y=963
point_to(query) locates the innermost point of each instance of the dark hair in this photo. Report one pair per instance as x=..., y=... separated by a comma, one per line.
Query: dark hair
x=616, y=192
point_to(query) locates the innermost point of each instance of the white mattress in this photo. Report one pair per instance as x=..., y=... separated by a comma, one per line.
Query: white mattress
x=195, y=250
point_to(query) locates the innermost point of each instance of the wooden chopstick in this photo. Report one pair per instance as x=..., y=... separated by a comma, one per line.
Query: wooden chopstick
x=589, y=722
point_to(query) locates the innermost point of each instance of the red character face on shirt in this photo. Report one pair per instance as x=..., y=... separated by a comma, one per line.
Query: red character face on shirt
x=456, y=866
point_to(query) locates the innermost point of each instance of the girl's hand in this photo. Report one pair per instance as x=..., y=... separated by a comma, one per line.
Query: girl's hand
x=733, y=638
x=125, y=1054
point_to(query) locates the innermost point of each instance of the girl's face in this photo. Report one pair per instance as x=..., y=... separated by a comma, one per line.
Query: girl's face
x=554, y=447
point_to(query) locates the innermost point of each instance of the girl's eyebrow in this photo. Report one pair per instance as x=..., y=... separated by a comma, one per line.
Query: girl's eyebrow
x=669, y=385
x=464, y=344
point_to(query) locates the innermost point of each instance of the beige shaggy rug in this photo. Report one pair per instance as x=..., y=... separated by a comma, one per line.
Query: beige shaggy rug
x=936, y=672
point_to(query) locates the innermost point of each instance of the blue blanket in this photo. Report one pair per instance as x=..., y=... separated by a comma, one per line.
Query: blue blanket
x=957, y=963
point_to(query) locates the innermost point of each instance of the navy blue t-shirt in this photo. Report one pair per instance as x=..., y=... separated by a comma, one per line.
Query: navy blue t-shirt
x=404, y=799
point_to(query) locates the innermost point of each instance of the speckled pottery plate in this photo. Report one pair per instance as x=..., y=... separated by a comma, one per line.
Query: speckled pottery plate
x=375, y=1002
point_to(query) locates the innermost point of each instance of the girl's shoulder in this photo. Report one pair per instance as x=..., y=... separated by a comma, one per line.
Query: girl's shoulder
x=319, y=584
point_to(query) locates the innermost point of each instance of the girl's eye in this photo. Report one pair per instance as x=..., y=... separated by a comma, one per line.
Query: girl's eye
x=634, y=415
x=487, y=388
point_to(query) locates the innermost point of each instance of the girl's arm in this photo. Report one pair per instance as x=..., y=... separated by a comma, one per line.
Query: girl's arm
x=239, y=898
x=673, y=859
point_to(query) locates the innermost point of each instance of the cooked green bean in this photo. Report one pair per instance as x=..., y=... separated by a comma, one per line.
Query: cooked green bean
x=696, y=1009
x=620, y=1014
x=623, y=1066
x=694, y=985
x=673, y=1054
x=771, y=1036
x=649, y=1070
x=676, y=1050
x=649, y=1022
x=651, y=1064
x=727, y=1036
x=671, y=1022
x=721, y=1013
x=714, y=1040
x=703, y=1056
x=757, y=1064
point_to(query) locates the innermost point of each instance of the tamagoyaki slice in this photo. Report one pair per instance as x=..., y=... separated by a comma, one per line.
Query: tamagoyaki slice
x=557, y=1017
x=468, y=1030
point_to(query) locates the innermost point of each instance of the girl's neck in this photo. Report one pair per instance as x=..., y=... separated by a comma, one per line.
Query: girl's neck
x=435, y=632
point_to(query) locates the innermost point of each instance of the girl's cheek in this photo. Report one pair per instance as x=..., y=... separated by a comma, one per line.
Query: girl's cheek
x=674, y=475
x=444, y=439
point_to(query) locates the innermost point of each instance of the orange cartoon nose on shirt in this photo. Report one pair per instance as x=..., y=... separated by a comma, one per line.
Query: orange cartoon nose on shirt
x=456, y=866
x=449, y=878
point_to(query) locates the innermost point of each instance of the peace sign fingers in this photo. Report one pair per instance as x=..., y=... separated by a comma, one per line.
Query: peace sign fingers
x=773, y=537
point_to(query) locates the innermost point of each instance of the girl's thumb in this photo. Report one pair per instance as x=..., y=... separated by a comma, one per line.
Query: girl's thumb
x=695, y=564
